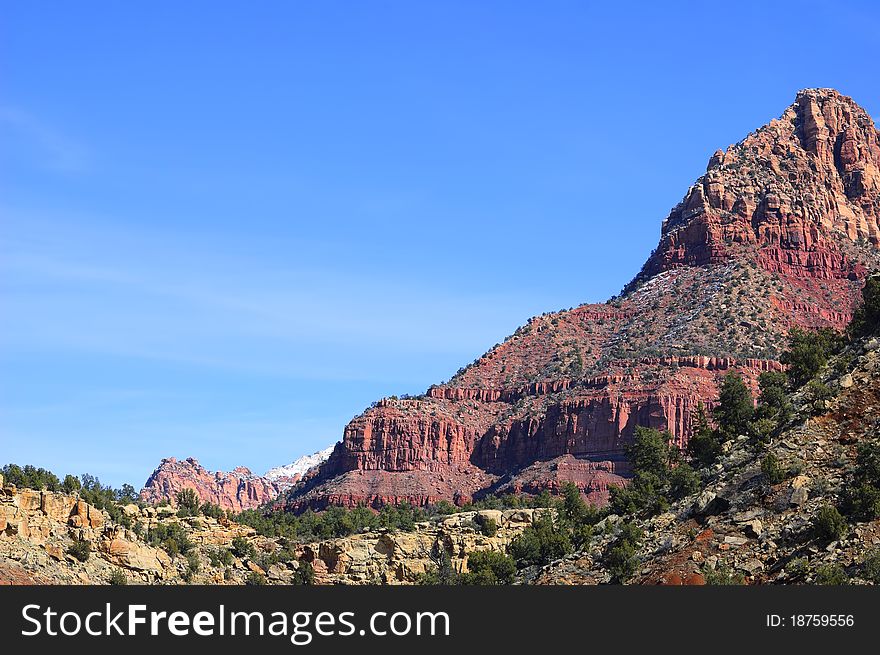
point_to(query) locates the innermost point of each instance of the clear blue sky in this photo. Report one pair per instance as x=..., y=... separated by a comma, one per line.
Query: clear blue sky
x=226, y=228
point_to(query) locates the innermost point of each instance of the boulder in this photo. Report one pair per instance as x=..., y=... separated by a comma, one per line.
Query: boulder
x=137, y=557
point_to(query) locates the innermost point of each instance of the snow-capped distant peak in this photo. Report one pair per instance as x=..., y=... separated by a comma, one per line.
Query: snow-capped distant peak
x=298, y=468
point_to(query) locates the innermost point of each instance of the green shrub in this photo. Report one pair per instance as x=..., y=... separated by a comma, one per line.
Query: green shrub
x=868, y=463
x=255, y=579
x=684, y=481
x=861, y=501
x=303, y=575
x=212, y=511
x=442, y=573
x=71, y=484
x=620, y=554
x=871, y=566
x=220, y=557
x=828, y=524
x=723, y=575
x=187, y=503
x=807, y=353
x=487, y=526
x=831, y=574
x=704, y=446
x=80, y=550
x=650, y=451
x=643, y=495
x=192, y=563
x=444, y=507
x=772, y=469
x=866, y=319
x=581, y=535
x=30, y=477
x=817, y=395
x=117, y=578
x=171, y=537
x=489, y=567
x=798, y=568
x=243, y=549
x=774, y=404
x=861, y=498
x=735, y=407
x=540, y=543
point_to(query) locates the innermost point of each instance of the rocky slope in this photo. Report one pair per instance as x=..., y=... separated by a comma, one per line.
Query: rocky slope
x=236, y=490
x=752, y=526
x=780, y=231
x=37, y=529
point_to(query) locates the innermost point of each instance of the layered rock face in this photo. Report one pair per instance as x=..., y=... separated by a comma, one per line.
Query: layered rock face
x=780, y=231
x=237, y=490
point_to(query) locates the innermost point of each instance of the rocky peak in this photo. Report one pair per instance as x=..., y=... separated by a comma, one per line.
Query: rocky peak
x=780, y=230
x=793, y=190
x=236, y=490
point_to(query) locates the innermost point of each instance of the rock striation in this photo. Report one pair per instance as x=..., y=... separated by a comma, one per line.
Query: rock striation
x=781, y=230
x=236, y=490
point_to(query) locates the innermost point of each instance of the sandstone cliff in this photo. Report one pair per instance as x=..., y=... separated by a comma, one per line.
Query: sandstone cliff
x=236, y=490
x=780, y=231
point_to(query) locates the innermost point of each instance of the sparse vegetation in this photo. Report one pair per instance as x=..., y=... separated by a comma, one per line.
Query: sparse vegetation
x=243, y=549
x=117, y=578
x=660, y=475
x=541, y=542
x=828, y=524
x=489, y=567
x=255, y=579
x=807, y=352
x=831, y=574
x=80, y=550
x=187, y=503
x=620, y=554
x=861, y=497
x=772, y=469
x=723, y=575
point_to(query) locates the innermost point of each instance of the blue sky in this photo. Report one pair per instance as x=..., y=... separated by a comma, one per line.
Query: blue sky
x=226, y=228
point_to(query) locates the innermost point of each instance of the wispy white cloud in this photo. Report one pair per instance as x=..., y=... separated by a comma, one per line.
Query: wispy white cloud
x=80, y=289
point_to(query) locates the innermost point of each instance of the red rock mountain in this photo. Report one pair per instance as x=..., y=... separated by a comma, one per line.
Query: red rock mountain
x=780, y=231
x=237, y=490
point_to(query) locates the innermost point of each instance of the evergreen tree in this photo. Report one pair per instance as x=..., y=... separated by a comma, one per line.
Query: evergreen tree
x=735, y=407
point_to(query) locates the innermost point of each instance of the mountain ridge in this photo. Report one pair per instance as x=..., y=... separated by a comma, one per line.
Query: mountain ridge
x=236, y=490
x=779, y=231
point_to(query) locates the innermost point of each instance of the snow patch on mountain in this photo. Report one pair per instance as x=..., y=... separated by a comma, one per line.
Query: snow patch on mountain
x=299, y=467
